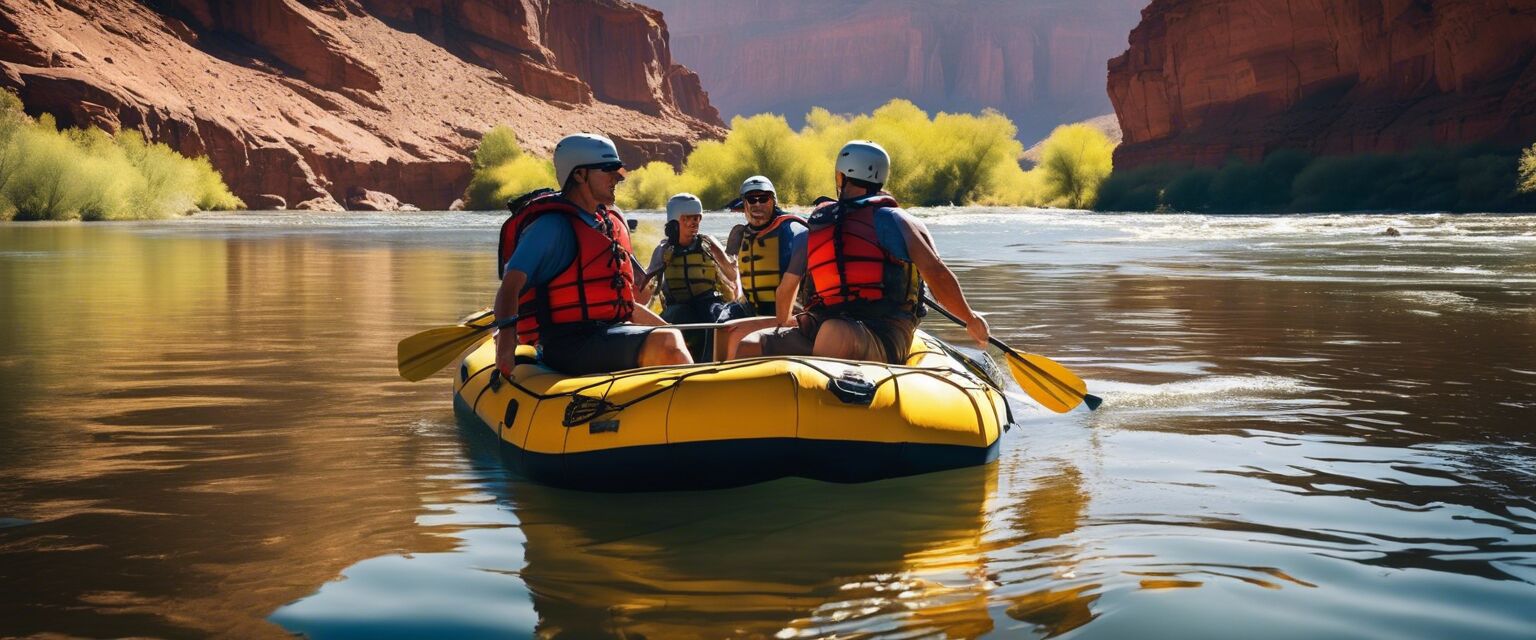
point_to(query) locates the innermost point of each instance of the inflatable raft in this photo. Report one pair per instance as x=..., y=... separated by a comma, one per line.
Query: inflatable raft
x=723, y=424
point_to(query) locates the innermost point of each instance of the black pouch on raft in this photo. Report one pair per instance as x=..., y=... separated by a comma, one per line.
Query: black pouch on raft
x=852, y=388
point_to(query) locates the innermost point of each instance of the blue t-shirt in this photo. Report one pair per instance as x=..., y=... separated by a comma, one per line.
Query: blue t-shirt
x=547, y=246
x=887, y=233
x=792, y=236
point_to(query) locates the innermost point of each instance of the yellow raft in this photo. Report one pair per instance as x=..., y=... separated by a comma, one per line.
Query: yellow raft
x=732, y=423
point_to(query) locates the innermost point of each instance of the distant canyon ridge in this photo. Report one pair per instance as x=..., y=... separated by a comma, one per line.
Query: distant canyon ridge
x=312, y=101
x=1207, y=80
x=1040, y=62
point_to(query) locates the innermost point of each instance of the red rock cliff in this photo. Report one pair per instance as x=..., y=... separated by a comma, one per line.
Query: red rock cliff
x=1038, y=61
x=304, y=99
x=1205, y=80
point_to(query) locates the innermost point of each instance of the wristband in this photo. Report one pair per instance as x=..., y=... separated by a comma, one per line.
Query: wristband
x=502, y=323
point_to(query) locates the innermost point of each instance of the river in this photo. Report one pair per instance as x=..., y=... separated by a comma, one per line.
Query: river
x=1310, y=429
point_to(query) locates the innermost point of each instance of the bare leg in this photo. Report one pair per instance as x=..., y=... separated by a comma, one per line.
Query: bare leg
x=737, y=330
x=749, y=347
x=846, y=340
x=664, y=347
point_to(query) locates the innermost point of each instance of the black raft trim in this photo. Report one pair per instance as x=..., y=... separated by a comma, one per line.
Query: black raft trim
x=719, y=464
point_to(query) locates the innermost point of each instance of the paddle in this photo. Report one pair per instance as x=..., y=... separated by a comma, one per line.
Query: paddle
x=426, y=353
x=1049, y=383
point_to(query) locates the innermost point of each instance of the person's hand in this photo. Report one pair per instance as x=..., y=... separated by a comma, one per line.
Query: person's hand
x=979, y=330
x=506, y=352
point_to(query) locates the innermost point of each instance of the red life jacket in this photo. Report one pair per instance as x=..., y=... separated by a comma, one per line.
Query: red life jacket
x=846, y=265
x=598, y=286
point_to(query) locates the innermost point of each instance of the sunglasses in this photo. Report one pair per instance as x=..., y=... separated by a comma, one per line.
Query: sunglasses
x=607, y=167
x=759, y=199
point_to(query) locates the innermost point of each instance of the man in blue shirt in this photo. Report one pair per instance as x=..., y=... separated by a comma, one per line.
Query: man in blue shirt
x=864, y=265
x=569, y=284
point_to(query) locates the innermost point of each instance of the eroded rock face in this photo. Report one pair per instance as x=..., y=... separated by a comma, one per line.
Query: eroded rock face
x=1038, y=61
x=306, y=100
x=1205, y=80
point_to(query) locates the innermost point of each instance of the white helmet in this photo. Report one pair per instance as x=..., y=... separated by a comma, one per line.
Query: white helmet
x=684, y=204
x=580, y=150
x=864, y=160
x=758, y=183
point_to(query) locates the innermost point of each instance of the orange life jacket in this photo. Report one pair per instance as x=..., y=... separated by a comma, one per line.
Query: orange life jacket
x=846, y=266
x=598, y=286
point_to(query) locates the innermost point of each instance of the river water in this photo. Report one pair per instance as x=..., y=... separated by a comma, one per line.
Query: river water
x=1310, y=430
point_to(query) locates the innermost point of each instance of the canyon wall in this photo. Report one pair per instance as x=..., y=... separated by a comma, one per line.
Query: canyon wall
x=300, y=101
x=1041, y=62
x=1206, y=80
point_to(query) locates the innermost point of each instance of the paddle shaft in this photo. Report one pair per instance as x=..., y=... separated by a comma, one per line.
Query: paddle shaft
x=995, y=342
x=1092, y=400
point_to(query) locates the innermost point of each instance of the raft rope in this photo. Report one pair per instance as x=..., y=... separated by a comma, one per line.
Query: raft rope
x=584, y=408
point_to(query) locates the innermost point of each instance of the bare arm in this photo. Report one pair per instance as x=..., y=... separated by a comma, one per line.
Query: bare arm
x=784, y=298
x=643, y=288
x=727, y=267
x=789, y=284
x=645, y=316
x=506, y=307
x=940, y=280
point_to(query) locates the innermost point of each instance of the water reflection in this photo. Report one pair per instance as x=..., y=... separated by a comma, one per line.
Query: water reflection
x=1051, y=510
x=1311, y=432
x=786, y=558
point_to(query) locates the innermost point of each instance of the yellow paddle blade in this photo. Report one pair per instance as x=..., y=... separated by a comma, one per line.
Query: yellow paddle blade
x=426, y=353
x=1049, y=383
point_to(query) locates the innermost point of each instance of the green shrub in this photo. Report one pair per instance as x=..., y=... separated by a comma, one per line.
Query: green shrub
x=1467, y=178
x=498, y=146
x=762, y=144
x=211, y=192
x=47, y=174
x=1139, y=189
x=1188, y=192
x=1076, y=159
x=48, y=184
x=1528, y=170
x=650, y=186
x=501, y=172
x=944, y=159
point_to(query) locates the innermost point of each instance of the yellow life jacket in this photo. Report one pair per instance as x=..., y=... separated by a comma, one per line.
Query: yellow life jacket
x=758, y=257
x=690, y=272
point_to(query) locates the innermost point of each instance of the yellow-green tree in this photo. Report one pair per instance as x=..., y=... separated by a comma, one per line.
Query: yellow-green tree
x=1528, y=170
x=1075, y=160
x=501, y=171
x=48, y=174
x=650, y=186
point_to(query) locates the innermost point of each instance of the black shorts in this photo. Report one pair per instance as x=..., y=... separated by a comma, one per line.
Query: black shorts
x=587, y=348
x=701, y=309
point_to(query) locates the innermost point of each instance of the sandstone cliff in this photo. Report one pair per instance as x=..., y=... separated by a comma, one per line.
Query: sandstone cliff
x=310, y=100
x=1204, y=80
x=1038, y=61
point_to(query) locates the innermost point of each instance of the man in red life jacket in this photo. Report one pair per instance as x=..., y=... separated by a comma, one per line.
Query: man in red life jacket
x=864, y=265
x=568, y=273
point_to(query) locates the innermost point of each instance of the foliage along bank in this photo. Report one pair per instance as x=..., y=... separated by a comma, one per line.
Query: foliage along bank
x=1456, y=179
x=961, y=159
x=49, y=174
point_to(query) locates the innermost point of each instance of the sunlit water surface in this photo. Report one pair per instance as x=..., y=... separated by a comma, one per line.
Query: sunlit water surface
x=1311, y=430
